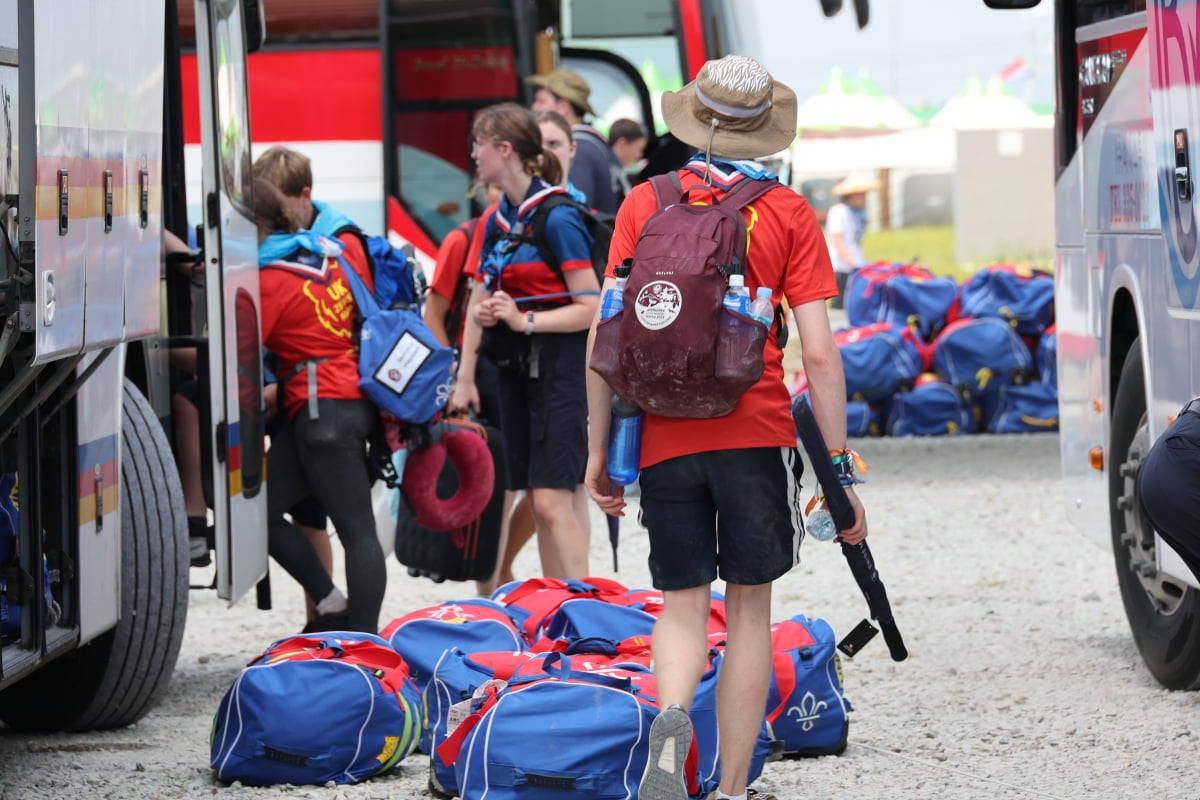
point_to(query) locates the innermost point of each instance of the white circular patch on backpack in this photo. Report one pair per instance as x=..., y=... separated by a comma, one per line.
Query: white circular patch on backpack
x=658, y=304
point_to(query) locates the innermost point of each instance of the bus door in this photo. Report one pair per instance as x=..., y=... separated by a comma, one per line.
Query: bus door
x=234, y=359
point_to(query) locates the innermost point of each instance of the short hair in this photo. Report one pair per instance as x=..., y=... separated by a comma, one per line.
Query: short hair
x=627, y=129
x=289, y=170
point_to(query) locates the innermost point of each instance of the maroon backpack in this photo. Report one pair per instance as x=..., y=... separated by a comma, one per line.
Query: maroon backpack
x=660, y=352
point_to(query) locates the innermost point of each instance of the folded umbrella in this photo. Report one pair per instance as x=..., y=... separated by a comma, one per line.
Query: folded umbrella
x=858, y=556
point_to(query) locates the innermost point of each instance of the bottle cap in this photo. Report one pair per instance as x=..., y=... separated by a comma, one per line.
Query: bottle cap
x=622, y=270
x=737, y=279
x=764, y=291
x=623, y=409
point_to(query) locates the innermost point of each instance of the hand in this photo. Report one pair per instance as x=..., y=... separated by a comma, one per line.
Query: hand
x=859, y=532
x=609, y=497
x=465, y=396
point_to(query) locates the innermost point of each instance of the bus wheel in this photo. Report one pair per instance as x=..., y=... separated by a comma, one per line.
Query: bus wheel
x=116, y=678
x=1164, y=614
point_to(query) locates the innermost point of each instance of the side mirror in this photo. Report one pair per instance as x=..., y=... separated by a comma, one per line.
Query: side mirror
x=862, y=12
x=831, y=7
x=1011, y=4
x=254, y=19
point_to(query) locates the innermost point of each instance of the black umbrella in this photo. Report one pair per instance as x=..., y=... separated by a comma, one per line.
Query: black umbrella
x=614, y=532
x=858, y=556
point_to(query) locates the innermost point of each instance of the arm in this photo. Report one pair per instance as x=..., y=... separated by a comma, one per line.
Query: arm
x=436, y=308
x=465, y=392
x=827, y=388
x=610, y=498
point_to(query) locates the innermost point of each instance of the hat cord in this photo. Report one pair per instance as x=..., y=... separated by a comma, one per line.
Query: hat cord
x=712, y=129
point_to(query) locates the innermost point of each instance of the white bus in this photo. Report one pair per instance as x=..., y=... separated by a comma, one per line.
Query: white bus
x=1127, y=286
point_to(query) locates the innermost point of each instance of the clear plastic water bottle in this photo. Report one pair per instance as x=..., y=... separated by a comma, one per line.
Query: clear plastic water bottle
x=761, y=309
x=614, y=298
x=624, y=442
x=737, y=296
x=820, y=525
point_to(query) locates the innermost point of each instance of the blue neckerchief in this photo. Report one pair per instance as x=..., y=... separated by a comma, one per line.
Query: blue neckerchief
x=751, y=169
x=278, y=246
x=329, y=220
x=577, y=195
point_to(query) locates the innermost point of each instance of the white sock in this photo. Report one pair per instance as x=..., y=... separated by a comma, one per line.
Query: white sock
x=722, y=796
x=334, y=602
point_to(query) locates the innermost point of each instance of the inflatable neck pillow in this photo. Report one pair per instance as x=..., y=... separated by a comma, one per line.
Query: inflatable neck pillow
x=471, y=460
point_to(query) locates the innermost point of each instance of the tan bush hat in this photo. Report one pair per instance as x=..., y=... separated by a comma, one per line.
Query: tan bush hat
x=855, y=183
x=734, y=108
x=568, y=85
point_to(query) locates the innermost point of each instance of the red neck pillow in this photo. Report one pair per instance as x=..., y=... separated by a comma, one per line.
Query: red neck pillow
x=467, y=449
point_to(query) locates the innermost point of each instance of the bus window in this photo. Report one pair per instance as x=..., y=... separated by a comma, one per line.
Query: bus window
x=233, y=118
x=1090, y=11
x=444, y=59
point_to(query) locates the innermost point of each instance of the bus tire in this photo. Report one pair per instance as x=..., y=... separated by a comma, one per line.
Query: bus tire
x=1163, y=614
x=116, y=678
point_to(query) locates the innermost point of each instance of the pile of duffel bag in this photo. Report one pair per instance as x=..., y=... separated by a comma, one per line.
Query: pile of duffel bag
x=925, y=356
x=545, y=690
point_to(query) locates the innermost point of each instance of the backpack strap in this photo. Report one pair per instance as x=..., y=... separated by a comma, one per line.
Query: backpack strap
x=747, y=190
x=541, y=217
x=668, y=189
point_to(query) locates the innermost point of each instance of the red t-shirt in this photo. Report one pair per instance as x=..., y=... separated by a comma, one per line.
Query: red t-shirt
x=786, y=251
x=308, y=312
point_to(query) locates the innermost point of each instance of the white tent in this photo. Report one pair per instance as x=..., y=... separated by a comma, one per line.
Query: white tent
x=919, y=149
x=863, y=105
x=994, y=107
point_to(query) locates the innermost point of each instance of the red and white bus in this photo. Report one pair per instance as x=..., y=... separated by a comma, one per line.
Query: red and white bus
x=380, y=95
x=1127, y=288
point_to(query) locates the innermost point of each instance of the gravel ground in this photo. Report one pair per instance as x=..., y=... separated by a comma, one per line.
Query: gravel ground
x=1022, y=680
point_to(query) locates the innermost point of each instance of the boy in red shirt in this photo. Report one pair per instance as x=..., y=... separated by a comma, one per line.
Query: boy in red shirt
x=721, y=496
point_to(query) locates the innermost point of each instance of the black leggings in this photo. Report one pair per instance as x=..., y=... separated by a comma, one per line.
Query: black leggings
x=326, y=458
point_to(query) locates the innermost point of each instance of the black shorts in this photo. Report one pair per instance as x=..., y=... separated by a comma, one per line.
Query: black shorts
x=544, y=418
x=737, y=514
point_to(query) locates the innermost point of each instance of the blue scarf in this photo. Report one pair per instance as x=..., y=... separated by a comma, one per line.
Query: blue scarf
x=751, y=169
x=278, y=246
x=329, y=220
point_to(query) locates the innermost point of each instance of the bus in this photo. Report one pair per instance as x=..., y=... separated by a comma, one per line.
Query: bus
x=389, y=87
x=1127, y=286
x=93, y=531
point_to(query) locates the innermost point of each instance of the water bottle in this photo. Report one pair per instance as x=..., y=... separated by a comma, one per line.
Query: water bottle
x=820, y=525
x=761, y=309
x=614, y=298
x=624, y=442
x=737, y=296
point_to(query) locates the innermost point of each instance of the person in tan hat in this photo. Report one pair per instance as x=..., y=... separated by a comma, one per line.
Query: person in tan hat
x=596, y=171
x=844, y=227
x=720, y=497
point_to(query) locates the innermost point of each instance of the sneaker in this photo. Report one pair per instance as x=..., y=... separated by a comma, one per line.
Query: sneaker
x=670, y=740
x=337, y=621
x=198, y=551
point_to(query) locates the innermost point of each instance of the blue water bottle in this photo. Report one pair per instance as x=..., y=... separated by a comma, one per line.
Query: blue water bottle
x=624, y=442
x=614, y=298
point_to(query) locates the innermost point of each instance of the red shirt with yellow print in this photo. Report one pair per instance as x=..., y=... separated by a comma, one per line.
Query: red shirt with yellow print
x=308, y=313
x=787, y=252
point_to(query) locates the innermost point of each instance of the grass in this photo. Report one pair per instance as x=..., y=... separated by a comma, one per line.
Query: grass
x=932, y=246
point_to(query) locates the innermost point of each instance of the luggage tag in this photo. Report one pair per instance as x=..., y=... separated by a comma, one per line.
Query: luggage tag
x=857, y=639
x=465, y=708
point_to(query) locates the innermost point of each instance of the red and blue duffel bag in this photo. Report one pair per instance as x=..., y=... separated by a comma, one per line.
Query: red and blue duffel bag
x=533, y=602
x=553, y=731
x=806, y=706
x=862, y=418
x=340, y=707
x=931, y=408
x=879, y=360
x=1015, y=293
x=904, y=294
x=472, y=625
x=977, y=356
x=1047, y=358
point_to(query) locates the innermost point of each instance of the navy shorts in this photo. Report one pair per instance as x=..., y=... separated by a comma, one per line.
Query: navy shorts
x=544, y=418
x=736, y=514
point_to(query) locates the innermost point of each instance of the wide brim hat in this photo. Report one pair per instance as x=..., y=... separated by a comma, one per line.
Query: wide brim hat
x=734, y=108
x=568, y=85
x=855, y=183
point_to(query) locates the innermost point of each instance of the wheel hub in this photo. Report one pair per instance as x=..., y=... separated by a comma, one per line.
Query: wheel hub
x=1164, y=593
